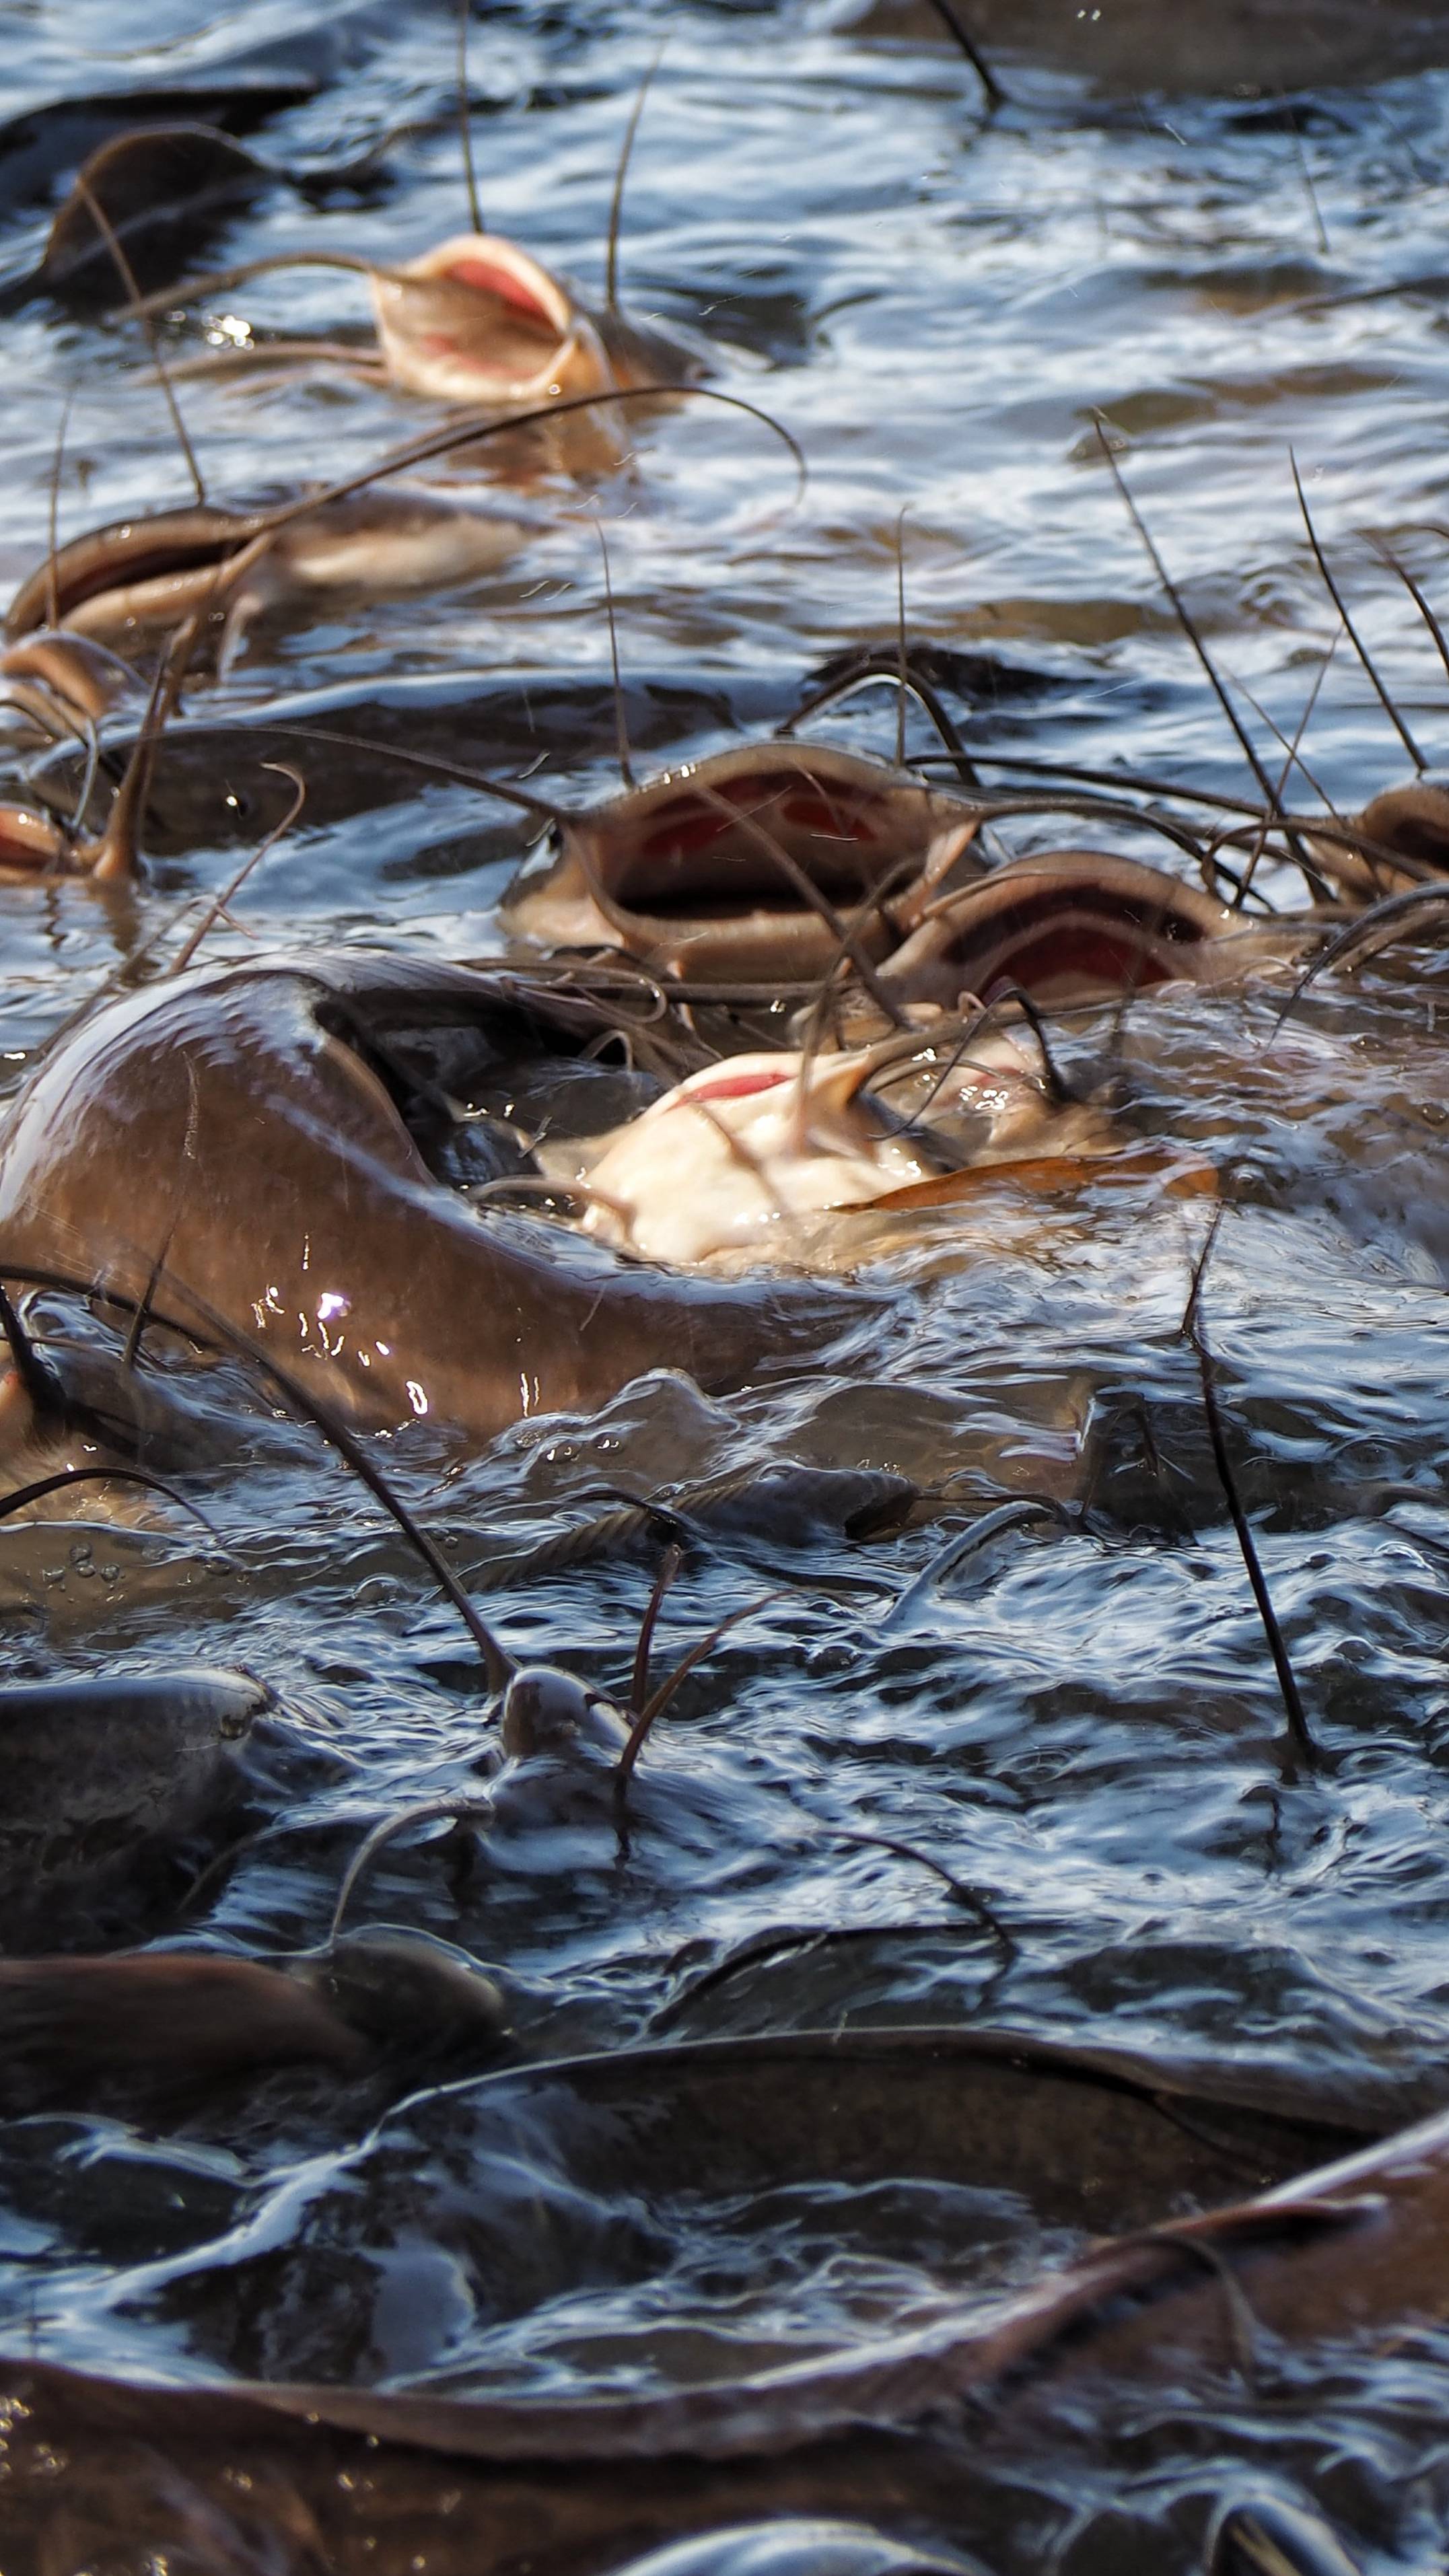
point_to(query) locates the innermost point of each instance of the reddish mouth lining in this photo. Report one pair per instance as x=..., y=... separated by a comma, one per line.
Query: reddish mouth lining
x=487, y=280
x=1092, y=956
x=737, y=1086
x=686, y=825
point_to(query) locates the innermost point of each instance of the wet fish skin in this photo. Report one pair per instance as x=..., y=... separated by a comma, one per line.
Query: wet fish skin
x=879, y=2431
x=798, y=2546
x=155, y=2020
x=218, y=1116
x=104, y=1779
x=410, y=1996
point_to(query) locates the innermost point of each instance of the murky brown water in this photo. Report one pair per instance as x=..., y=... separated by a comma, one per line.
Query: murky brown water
x=1191, y=224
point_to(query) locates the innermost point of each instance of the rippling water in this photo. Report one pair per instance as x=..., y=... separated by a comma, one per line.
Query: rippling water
x=1223, y=237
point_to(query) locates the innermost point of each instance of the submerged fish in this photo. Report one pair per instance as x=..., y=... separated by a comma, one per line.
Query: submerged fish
x=140, y=2024
x=896, y=2427
x=104, y=1781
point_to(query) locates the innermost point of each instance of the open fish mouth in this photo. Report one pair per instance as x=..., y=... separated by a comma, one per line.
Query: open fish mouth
x=477, y=318
x=747, y=863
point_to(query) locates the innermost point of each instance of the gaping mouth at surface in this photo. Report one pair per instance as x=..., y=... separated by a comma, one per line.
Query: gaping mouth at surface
x=478, y=319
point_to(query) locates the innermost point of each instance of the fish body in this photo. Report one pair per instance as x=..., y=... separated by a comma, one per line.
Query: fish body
x=103, y=1778
x=231, y=1123
x=730, y=1156
x=729, y=1161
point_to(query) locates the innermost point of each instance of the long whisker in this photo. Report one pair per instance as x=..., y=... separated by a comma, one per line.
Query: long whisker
x=472, y=433
x=1295, y=759
x=498, y=1664
x=1194, y=1333
x=86, y=789
x=964, y=1895
x=621, y=729
x=901, y=635
x=1386, y=555
x=191, y=290
x=1290, y=758
x=1306, y=175
x=462, y=1811
x=52, y=594
x=1354, y=637
x=616, y=201
x=1172, y=788
x=804, y=1938
x=127, y=277
x=502, y=788
x=1373, y=930
x=951, y=18
x=888, y=675
x=25, y=1495
x=1059, y=1089
x=1093, y=809
x=1184, y=620
x=655, y=1707
x=989, y=1525
x=465, y=122
x=670, y=1564
x=142, y=1316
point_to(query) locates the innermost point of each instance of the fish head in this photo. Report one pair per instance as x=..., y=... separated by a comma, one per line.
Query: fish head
x=550, y=1712
x=476, y=320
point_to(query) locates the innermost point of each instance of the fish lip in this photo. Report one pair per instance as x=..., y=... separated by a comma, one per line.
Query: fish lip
x=162, y=551
x=545, y=298
x=596, y=885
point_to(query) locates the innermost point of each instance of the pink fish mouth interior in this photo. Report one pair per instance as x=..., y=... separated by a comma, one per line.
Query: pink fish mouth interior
x=517, y=330
x=1094, y=956
x=693, y=857
x=737, y=1086
x=486, y=279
